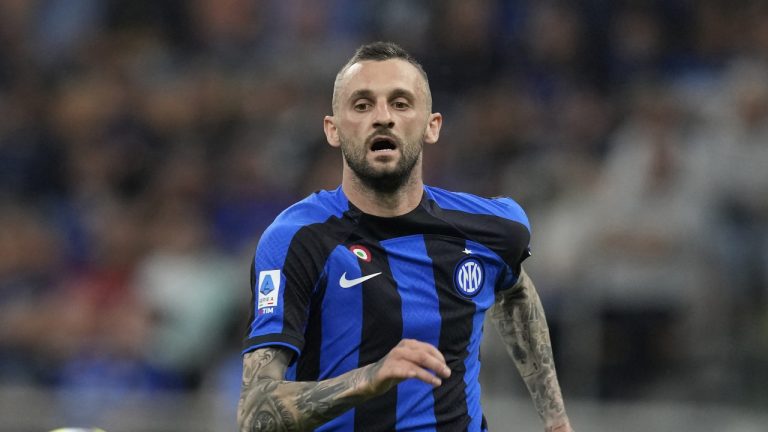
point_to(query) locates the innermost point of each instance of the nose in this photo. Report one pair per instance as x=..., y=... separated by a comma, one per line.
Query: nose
x=383, y=118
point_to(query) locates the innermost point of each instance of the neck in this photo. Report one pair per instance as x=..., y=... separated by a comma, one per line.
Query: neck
x=384, y=204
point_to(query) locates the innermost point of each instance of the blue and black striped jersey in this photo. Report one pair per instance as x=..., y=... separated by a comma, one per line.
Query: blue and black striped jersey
x=341, y=288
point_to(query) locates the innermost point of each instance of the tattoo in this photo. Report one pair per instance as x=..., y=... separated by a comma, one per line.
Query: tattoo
x=258, y=409
x=520, y=320
x=269, y=403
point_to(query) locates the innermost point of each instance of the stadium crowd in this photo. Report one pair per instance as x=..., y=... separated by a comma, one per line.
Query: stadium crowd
x=144, y=146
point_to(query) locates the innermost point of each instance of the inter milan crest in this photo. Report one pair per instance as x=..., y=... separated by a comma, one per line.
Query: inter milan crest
x=468, y=277
x=361, y=252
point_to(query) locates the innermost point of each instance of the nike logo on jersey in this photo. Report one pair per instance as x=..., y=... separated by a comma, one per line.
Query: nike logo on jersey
x=347, y=283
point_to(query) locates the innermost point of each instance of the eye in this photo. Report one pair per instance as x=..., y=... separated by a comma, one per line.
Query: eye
x=400, y=105
x=362, y=106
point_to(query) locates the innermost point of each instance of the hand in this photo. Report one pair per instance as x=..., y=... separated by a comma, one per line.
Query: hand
x=409, y=359
x=560, y=427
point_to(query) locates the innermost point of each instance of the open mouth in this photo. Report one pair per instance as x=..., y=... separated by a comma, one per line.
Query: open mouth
x=383, y=143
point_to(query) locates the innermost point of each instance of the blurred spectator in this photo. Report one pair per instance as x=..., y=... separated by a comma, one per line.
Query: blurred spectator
x=189, y=289
x=636, y=40
x=645, y=262
x=30, y=264
x=735, y=155
x=30, y=152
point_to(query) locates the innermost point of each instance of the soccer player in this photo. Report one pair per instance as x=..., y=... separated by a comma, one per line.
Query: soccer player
x=369, y=300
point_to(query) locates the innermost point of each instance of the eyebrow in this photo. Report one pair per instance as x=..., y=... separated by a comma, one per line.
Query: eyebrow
x=368, y=94
x=361, y=94
x=398, y=92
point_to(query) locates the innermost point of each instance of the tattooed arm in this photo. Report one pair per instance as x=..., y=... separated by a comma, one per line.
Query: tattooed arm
x=519, y=318
x=269, y=403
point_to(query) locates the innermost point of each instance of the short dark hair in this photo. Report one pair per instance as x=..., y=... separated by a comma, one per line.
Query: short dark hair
x=380, y=51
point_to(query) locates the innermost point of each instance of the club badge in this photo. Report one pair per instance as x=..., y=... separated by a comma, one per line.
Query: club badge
x=468, y=277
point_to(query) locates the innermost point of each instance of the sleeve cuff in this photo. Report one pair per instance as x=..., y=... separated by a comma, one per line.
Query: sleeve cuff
x=275, y=339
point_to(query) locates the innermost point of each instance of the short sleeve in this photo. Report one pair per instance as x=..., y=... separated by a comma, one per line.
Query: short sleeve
x=283, y=275
x=517, y=237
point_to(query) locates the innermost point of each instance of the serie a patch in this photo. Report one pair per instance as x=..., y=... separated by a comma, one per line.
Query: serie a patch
x=269, y=290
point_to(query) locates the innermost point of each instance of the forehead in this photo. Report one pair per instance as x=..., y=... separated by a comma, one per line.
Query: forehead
x=382, y=76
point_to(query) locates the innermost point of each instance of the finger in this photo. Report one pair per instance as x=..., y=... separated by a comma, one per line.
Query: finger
x=406, y=370
x=427, y=377
x=432, y=363
x=416, y=344
x=426, y=356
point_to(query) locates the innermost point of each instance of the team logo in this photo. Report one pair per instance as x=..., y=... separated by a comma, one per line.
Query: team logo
x=468, y=277
x=347, y=283
x=361, y=252
x=269, y=290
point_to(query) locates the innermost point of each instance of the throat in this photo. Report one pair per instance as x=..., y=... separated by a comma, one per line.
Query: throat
x=384, y=202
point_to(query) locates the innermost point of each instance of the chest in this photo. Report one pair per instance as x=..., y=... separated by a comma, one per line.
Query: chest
x=408, y=285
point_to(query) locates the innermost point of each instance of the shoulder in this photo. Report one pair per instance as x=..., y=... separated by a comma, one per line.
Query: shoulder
x=502, y=207
x=314, y=209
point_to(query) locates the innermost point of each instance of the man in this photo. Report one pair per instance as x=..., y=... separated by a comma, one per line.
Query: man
x=369, y=299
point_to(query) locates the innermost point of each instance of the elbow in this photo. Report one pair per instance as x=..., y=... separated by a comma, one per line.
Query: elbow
x=242, y=424
x=250, y=426
x=246, y=422
x=253, y=423
x=254, y=413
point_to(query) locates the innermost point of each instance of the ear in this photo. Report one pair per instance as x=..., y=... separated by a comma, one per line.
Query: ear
x=331, y=132
x=432, y=133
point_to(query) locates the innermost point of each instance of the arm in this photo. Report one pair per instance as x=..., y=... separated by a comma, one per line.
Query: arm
x=269, y=403
x=519, y=318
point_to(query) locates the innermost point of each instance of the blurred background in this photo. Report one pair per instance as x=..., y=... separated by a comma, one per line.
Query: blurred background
x=145, y=144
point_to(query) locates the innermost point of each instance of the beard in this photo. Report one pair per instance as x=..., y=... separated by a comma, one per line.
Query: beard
x=386, y=181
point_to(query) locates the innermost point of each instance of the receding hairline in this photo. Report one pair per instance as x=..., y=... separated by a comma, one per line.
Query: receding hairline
x=354, y=61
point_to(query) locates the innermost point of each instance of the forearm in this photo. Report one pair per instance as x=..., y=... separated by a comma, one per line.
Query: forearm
x=519, y=318
x=270, y=404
